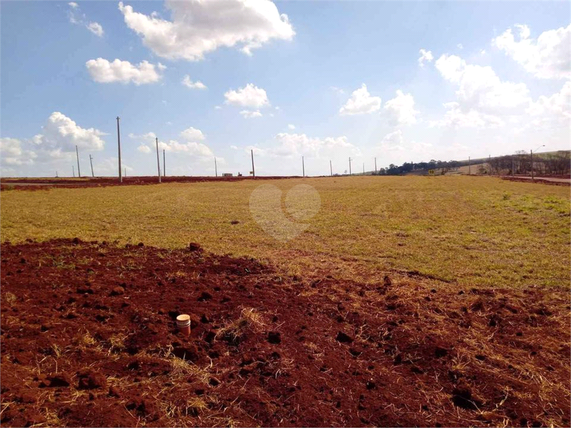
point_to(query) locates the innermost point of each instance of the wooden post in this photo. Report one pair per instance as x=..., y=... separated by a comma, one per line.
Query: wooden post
x=215, y=168
x=253, y=168
x=158, y=159
x=77, y=156
x=164, y=164
x=91, y=163
x=119, y=149
x=303, y=166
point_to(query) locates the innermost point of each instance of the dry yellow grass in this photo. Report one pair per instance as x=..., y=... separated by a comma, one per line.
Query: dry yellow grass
x=473, y=230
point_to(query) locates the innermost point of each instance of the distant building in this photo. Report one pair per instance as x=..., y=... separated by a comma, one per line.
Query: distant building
x=227, y=174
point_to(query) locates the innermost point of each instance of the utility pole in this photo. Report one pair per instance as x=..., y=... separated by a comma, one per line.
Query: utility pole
x=158, y=159
x=349, y=166
x=303, y=166
x=77, y=155
x=119, y=149
x=363, y=168
x=215, y=168
x=125, y=175
x=375, y=165
x=73, y=170
x=164, y=164
x=91, y=163
x=331, y=168
x=57, y=175
x=469, y=166
x=253, y=168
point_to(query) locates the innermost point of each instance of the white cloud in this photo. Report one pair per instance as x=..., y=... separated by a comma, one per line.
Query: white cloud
x=198, y=27
x=460, y=46
x=144, y=148
x=292, y=145
x=247, y=114
x=57, y=141
x=12, y=153
x=78, y=18
x=393, y=139
x=425, y=56
x=103, y=71
x=361, y=102
x=553, y=111
x=290, y=126
x=191, y=146
x=61, y=134
x=249, y=96
x=456, y=118
x=192, y=134
x=192, y=85
x=400, y=109
x=548, y=57
x=148, y=138
x=95, y=28
x=480, y=89
x=395, y=142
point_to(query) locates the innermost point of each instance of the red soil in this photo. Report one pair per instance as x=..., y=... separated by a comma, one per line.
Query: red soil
x=89, y=339
x=47, y=183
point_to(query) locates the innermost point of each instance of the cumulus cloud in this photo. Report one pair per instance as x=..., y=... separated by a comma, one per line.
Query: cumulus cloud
x=425, y=56
x=199, y=27
x=144, y=148
x=400, y=110
x=291, y=127
x=249, y=96
x=552, y=111
x=57, y=141
x=548, y=57
x=456, y=118
x=192, y=85
x=247, y=114
x=61, y=134
x=361, y=102
x=12, y=153
x=292, y=145
x=103, y=71
x=395, y=142
x=191, y=144
x=76, y=17
x=481, y=94
x=192, y=134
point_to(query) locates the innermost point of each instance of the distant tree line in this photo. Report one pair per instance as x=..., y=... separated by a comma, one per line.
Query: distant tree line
x=408, y=167
x=555, y=163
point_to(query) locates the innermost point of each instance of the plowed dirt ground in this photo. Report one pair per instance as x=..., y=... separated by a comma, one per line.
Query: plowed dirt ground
x=89, y=339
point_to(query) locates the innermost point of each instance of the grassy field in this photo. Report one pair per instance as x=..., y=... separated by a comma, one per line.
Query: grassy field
x=477, y=231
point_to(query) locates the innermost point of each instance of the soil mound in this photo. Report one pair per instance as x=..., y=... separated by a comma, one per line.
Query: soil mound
x=89, y=339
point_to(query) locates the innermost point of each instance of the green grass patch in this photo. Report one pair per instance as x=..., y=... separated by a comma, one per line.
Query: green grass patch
x=474, y=230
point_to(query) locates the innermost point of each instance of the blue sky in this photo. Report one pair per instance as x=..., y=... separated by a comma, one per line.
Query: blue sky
x=497, y=80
